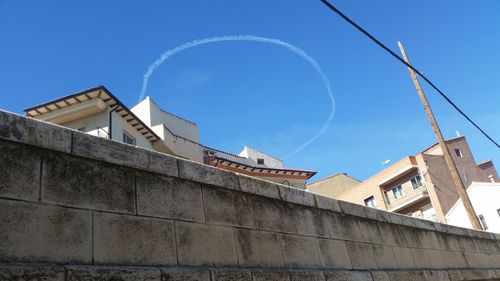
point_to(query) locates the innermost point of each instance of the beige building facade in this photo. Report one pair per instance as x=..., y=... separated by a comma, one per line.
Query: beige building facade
x=421, y=185
x=333, y=185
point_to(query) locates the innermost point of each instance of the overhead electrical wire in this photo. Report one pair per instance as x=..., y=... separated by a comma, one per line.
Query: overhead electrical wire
x=396, y=56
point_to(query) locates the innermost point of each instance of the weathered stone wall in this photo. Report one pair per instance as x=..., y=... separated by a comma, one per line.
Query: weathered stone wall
x=78, y=207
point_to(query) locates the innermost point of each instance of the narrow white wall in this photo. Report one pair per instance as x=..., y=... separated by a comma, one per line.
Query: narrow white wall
x=485, y=198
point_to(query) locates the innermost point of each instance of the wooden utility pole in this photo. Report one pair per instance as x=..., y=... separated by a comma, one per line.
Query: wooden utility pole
x=462, y=192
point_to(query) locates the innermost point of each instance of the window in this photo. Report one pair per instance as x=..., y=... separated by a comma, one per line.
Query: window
x=397, y=191
x=416, y=182
x=128, y=139
x=370, y=202
x=458, y=152
x=260, y=161
x=483, y=222
x=498, y=211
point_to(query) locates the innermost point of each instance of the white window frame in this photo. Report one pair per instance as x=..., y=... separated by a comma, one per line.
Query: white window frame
x=401, y=192
x=420, y=181
x=129, y=136
x=372, y=200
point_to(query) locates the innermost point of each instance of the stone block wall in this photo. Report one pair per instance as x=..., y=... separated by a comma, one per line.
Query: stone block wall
x=78, y=207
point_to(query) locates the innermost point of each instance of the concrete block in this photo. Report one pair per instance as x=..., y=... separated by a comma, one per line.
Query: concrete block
x=436, y=275
x=340, y=226
x=348, y=276
x=21, y=129
x=408, y=235
x=258, y=248
x=259, y=187
x=309, y=221
x=379, y=215
x=424, y=224
x=184, y=274
x=160, y=163
x=107, y=150
x=209, y=245
x=471, y=274
x=448, y=259
x=307, y=276
x=409, y=221
x=334, y=254
x=419, y=275
x=352, y=209
x=404, y=257
x=396, y=218
x=300, y=252
x=366, y=230
x=327, y=203
x=270, y=276
x=362, y=256
x=422, y=258
x=398, y=275
x=392, y=234
x=297, y=196
x=447, y=241
x=31, y=272
x=42, y=233
x=229, y=207
x=19, y=171
x=122, y=239
x=89, y=184
x=122, y=273
x=230, y=275
x=384, y=256
x=274, y=215
x=169, y=197
x=429, y=239
x=207, y=174
x=381, y=276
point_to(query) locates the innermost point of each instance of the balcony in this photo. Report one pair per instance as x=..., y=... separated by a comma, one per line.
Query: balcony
x=406, y=200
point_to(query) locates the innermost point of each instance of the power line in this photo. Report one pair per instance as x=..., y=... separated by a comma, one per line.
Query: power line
x=366, y=33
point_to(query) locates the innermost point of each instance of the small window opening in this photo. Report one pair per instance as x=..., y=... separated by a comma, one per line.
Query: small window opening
x=483, y=222
x=416, y=182
x=370, y=202
x=458, y=152
x=128, y=138
x=260, y=161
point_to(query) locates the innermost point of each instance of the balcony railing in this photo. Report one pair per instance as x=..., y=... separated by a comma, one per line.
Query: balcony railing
x=407, y=199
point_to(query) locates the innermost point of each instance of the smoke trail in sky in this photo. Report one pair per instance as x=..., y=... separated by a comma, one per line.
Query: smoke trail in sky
x=169, y=53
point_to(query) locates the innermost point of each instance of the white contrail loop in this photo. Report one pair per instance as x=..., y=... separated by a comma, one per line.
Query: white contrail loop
x=167, y=54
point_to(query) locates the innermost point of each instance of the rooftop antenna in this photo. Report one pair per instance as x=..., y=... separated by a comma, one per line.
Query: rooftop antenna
x=458, y=133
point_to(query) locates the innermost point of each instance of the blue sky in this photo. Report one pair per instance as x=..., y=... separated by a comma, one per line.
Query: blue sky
x=261, y=95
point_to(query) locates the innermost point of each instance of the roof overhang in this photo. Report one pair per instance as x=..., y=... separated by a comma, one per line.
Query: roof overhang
x=402, y=172
x=85, y=103
x=257, y=170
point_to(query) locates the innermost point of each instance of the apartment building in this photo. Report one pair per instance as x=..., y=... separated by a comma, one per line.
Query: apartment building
x=257, y=164
x=421, y=185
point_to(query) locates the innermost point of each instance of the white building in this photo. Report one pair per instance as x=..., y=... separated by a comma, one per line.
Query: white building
x=485, y=198
x=181, y=136
x=97, y=112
